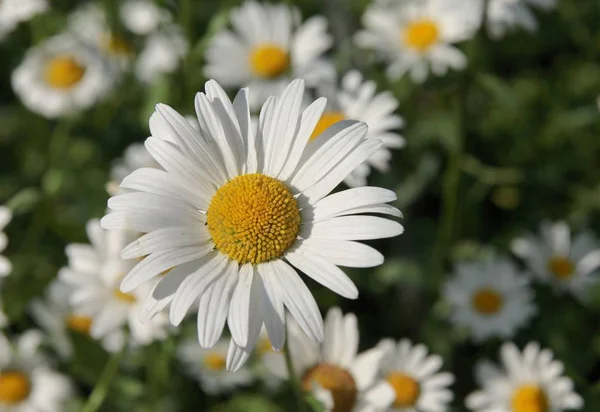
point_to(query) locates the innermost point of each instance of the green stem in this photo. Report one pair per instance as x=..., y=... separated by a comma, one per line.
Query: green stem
x=294, y=381
x=100, y=391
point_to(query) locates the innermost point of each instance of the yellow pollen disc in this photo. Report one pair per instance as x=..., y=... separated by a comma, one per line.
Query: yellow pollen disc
x=214, y=361
x=529, y=398
x=269, y=60
x=487, y=301
x=117, y=45
x=81, y=324
x=406, y=388
x=561, y=267
x=253, y=218
x=421, y=34
x=124, y=297
x=338, y=381
x=14, y=387
x=325, y=122
x=63, y=72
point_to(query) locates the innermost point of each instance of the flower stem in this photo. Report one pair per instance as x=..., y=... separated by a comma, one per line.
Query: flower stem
x=100, y=391
x=294, y=381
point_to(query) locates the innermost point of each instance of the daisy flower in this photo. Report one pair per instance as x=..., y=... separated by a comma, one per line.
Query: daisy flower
x=27, y=383
x=143, y=17
x=357, y=99
x=418, y=384
x=267, y=46
x=257, y=209
x=415, y=36
x=529, y=381
x=56, y=317
x=162, y=54
x=340, y=378
x=553, y=258
x=13, y=12
x=94, y=274
x=505, y=15
x=61, y=76
x=5, y=218
x=490, y=298
x=207, y=366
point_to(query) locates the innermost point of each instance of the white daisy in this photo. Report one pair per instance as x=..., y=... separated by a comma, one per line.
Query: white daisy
x=490, y=298
x=207, y=366
x=553, y=258
x=162, y=54
x=334, y=372
x=5, y=218
x=61, y=76
x=257, y=209
x=13, y=12
x=143, y=17
x=357, y=99
x=27, y=383
x=267, y=47
x=94, y=273
x=416, y=35
x=503, y=16
x=55, y=316
x=415, y=377
x=531, y=381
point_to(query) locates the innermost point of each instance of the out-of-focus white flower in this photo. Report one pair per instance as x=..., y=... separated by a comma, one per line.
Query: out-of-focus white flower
x=143, y=17
x=531, y=380
x=334, y=372
x=490, y=298
x=27, y=382
x=61, y=76
x=358, y=99
x=416, y=36
x=94, y=273
x=258, y=208
x=55, y=316
x=161, y=54
x=552, y=257
x=13, y=12
x=267, y=47
x=208, y=367
x=502, y=16
x=418, y=384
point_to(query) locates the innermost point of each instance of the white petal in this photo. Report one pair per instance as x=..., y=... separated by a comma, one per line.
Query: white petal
x=167, y=238
x=353, y=228
x=238, y=317
x=337, y=203
x=271, y=306
x=365, y=368
x=236, y=357
x=343, y=252
x=589, y=263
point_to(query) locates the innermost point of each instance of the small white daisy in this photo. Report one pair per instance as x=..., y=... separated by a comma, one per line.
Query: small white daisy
x=505, y=15
x=13, y=12
x=334, y=372
x=5, y=218
x=257, y=209
x=143, y=17
x=416, y=35
x=27, y=383
x=267, y=47
x=357, y=99
x=531, y=381
x=490, y=298
x=418, y=384
x=61, y=76
x=56, y=317
x=162, y=54
x=208, y=367
x=94, y=273
x=552, y=257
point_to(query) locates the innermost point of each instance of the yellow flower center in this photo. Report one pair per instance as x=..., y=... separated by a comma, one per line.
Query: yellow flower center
x=529, y=398
x=81, y=324
x=406, y=388
x=269, y=60
x=124, y=297
x=63, y=72
x=14, y=387
x=561, y=267
x=253, y=218
x=487, y=301
x=214, y=361
x=116, y=45
x=421, y=34
x=264, y=346
x=325, y=122
x=338, y=381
